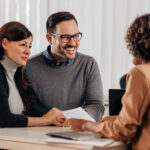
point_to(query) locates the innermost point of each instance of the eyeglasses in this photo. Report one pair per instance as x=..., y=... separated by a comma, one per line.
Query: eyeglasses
x=66, y=37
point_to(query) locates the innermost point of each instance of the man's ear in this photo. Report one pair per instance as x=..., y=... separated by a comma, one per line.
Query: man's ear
x=49, y=38
x=4, y=43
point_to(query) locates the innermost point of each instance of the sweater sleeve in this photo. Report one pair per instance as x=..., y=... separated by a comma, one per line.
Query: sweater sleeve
x=93, y=102
x=134, y=105
x=7, y=119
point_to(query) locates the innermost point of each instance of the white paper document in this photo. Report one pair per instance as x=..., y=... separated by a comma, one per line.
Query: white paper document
x=78, y=112
x=94, y=142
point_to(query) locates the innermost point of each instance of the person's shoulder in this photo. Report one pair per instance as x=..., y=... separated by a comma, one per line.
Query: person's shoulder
x=87, y=61
x=140, y=70
x=35, y=57
x=134, y=70
x=85, y=57
x=34, y=61
x=139, y=75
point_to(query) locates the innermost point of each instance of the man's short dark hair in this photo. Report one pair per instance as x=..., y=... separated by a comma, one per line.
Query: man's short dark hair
x=56, y=18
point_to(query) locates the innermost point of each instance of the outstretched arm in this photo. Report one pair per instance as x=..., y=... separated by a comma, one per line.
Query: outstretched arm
x=124, y=126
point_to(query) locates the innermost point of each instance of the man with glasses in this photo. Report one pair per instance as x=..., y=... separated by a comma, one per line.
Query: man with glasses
x=60, y=76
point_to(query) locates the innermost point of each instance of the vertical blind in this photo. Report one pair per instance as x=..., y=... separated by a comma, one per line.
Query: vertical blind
x=102, y=22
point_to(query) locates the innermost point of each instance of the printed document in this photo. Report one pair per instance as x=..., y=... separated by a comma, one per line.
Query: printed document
x=78, y=113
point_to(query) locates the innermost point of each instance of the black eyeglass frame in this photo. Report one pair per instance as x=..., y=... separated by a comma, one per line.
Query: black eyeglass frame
x=62, y=36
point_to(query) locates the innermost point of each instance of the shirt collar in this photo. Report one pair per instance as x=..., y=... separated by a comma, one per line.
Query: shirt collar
x=52, y=61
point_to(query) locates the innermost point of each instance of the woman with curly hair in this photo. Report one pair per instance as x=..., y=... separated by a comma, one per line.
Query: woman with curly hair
x=17, y=103
x=133, y=122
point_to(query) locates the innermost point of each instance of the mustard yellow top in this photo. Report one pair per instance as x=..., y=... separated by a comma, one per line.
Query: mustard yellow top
x=133, y=122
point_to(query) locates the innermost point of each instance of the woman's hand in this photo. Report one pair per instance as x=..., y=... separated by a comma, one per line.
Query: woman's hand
x=75, y=124
x=55, y=117
x=107, y=118
x=81, y=125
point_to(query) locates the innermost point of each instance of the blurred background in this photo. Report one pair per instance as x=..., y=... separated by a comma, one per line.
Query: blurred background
x=103, y=23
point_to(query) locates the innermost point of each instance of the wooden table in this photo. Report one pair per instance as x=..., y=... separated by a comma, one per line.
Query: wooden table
x=34, y=138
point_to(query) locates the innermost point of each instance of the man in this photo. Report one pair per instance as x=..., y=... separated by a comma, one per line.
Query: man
x=60, y=76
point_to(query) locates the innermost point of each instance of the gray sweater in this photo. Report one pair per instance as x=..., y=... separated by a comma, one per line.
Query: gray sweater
x=66, y=87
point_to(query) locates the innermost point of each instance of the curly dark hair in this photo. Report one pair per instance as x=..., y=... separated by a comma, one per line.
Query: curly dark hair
x=138, y=38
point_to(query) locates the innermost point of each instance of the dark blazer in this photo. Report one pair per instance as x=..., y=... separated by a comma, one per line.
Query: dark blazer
x=7, y=119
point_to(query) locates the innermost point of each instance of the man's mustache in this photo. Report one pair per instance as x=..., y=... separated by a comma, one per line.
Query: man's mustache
x=69, y=46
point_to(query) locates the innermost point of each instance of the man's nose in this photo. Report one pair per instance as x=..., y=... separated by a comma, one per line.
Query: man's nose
x=72, y=41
